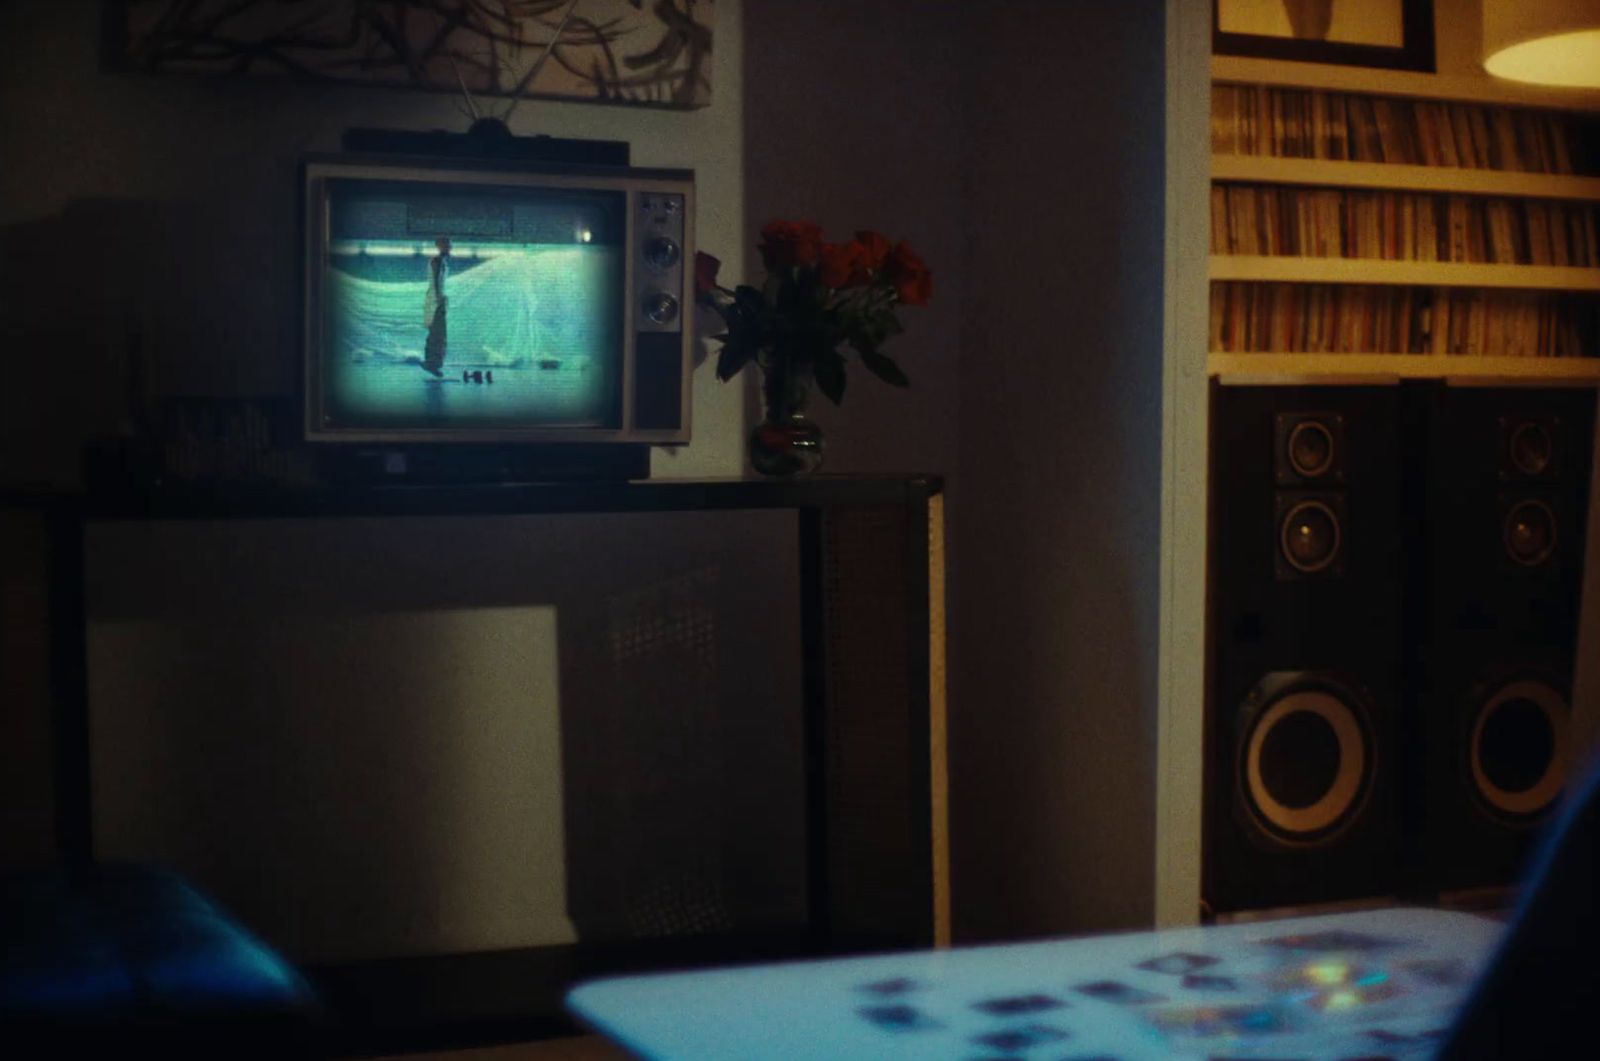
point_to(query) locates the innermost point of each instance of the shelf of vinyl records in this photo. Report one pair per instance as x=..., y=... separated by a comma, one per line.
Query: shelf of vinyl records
x=1310, y=332
x=1474, y=146
x=1368, y=226
x=1402, y=330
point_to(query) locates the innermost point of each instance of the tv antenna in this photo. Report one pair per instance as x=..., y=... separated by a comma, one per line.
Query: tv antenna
x=495, y=124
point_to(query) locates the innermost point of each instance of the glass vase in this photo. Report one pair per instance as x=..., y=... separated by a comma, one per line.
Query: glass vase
x=786, y=444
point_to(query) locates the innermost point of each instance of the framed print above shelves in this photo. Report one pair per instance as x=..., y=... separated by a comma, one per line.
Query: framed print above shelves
x=1391, y=34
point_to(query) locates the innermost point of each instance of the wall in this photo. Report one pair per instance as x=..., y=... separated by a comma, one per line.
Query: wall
x=166, y=207
x=1055, y=611
x=1020, y=151
x=856, y=129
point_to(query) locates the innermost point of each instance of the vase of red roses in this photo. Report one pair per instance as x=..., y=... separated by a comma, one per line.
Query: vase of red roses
x=820, y=302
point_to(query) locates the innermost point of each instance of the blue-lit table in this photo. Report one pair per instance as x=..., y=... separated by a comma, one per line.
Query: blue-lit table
x=1382, y=983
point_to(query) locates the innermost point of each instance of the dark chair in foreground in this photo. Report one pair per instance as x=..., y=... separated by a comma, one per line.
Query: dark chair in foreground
x=1541, y=992
x=127, y=956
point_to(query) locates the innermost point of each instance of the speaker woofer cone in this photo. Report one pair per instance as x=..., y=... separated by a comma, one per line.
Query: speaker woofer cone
x=1310, y=449
x=1530, y=448
x=1309, y=536
x=1297, y=731
x=1529, y=532
x=1519, y=718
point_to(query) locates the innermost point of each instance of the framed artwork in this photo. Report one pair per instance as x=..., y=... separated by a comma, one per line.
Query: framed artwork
x=650, y=52
x=1394, y=34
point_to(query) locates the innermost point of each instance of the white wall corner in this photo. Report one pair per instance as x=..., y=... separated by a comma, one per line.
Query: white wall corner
x=1181, y=691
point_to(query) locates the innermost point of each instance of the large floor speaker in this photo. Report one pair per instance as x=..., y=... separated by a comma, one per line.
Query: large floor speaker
x=1496, y=599
x=1307, y=529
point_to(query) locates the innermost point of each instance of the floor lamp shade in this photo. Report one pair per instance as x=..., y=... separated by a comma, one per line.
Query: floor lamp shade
x=1545, y=42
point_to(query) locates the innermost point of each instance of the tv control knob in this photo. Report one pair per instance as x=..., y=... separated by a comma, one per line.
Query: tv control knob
x=660, y=307
x=661, y=252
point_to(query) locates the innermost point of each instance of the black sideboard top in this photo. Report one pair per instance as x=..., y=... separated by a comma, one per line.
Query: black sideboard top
x=242, y=501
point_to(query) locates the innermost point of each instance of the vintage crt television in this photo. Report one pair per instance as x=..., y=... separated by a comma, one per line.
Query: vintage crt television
x=479, y=304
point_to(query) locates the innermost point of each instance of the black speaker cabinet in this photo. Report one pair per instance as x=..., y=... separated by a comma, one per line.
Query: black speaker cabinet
x=1307, y=529
x=1497, y=597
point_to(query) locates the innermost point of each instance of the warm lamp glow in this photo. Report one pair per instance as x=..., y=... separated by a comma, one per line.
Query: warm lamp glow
x=1545, y=42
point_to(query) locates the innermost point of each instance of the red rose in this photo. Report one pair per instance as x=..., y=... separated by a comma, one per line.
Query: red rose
x=874, y=247
x=705, y=274
x=786, y=243
x=774, y=437
x=842, y=265
x=911, y=279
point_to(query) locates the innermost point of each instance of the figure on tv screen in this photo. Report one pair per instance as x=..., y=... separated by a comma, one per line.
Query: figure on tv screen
x=433, y=308
x=471, y=289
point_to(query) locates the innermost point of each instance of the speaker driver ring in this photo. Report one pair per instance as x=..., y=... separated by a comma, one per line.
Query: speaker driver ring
x=1529, y=801
x=1339, y=801
x=1529, y=532
x=1303, y=518
x=1531, y=448
x=1309, y=449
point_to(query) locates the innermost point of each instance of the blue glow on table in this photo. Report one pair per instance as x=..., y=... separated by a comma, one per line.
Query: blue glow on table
x=1341, y=985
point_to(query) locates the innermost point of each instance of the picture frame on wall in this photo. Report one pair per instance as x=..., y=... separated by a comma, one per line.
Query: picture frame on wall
x=1386, y=34
x=656, y=54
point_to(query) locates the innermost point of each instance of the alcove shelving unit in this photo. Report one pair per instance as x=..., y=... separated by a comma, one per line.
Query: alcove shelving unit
x=1191, y=361
x=1351, y=177
x=1449, y=231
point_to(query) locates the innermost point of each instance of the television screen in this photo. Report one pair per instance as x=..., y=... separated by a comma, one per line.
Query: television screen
x=453, y=305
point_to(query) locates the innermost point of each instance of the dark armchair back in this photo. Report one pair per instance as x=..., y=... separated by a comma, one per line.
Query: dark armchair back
x=1541, y=993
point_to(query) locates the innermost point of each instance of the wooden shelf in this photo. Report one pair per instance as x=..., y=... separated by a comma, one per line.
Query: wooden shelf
x=1395, y=176
x=1370, y=368
x=1475, y=88
x=1300, y=270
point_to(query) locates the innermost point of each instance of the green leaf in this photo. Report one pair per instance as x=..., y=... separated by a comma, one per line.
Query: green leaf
x=829, y=372
x=733, y=357
x=749, y=299
x=882, y=367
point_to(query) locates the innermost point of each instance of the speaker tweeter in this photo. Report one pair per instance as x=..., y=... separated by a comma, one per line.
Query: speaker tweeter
x=1308, y=449
x=1530, y=448
x=1528, y=531
x=1310, y=535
